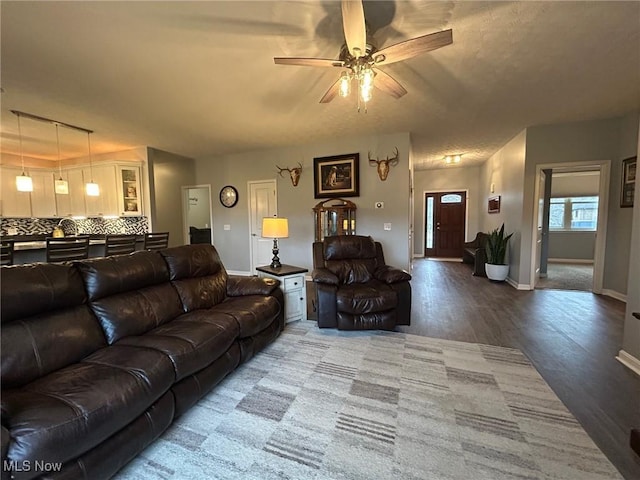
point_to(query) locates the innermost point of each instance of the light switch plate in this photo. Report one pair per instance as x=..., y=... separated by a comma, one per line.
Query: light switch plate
x=387, y=226
x=227, y=226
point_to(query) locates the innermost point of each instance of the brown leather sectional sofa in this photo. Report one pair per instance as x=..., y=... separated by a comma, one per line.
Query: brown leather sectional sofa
x=100, y=356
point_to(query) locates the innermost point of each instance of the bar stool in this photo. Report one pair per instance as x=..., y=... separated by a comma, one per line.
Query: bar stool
x=66, y=249
x=119, y=244
x=156, y=241
x=6, y=252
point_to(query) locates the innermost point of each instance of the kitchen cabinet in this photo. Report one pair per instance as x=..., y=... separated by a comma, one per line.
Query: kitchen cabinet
x=72, y=204
x=107, y=202
x=14, y=203
x=129, y=191
x=43, y=197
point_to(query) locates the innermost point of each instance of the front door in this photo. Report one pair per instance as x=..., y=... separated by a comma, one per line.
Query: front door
x=445, y=214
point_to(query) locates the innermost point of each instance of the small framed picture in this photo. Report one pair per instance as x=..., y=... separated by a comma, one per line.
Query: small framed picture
x=627, y=191
x=336, y=176
x=494, y=204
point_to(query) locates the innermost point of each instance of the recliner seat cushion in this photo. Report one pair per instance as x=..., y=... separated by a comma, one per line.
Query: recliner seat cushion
x=370, y=297
x=252, y=313
x=192, y=341
x=89, y=400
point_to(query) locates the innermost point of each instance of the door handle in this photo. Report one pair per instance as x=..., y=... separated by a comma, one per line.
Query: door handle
x=254, y=235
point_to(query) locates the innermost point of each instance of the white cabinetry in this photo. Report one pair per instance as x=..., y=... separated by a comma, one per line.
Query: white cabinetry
x=43, y=197
x=293, y=287
x=129, y=191
x=72, y=204
x=107, y=202
x=14, y=203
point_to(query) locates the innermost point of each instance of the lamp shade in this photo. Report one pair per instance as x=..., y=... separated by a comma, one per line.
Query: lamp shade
x=274, y=227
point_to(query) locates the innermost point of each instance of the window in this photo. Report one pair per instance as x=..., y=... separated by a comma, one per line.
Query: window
x=451, y=198
x=573, y=213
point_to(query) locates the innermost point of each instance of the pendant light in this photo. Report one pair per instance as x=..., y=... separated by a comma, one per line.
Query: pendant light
x=24, y=183
x=61, y=186
x=92, y=189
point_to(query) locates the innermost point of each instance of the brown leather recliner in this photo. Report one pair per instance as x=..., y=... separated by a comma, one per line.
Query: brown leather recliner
x=355, y=288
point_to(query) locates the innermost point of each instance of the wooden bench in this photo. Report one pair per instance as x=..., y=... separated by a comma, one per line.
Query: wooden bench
x=474, y=253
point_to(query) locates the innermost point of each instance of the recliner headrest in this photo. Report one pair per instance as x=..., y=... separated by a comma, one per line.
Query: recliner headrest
x=345, y=247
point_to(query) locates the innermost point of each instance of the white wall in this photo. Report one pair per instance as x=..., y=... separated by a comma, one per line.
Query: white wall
x=296, y=203
x=168, y=173
x=631, y=338
x=505, y=171
x=454, y=178
x=609, y=139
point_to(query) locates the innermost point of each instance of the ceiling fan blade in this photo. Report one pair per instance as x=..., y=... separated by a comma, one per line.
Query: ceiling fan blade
x=331, y=93
x=388, y=84
x=414, y=47
x=355, y=31
x=308, y=62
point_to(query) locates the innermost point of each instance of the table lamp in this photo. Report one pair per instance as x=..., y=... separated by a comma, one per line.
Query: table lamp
x=274, y=227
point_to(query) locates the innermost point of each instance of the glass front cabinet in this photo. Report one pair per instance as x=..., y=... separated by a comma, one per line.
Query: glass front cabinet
x=129, y=191
x=334, y=217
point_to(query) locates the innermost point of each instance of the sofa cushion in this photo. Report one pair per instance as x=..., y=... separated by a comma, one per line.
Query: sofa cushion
x=197, y=274
x=42, y=309
x=192, y=341
x=66, y=413
x=105, y=276
x=371, y=297
x=252, y=313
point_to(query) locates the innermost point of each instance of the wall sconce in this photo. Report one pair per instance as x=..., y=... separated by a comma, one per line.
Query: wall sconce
x=273, y=227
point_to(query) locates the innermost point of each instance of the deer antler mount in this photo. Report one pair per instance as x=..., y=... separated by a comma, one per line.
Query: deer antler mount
x=294, y=173
x=384, y=164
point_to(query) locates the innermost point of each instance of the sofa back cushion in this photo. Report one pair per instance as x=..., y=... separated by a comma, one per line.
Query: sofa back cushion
x=198, y=275
x=130, y=294
x=352, y=258
x=46, y=323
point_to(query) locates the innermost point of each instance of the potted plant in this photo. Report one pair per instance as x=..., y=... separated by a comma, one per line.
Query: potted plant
x=496, y=249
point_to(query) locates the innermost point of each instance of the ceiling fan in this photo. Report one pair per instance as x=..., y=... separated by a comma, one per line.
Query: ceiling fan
x=362, y=59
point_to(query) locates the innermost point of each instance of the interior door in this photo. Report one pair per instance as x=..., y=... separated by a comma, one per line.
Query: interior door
x=445, y=214
x=262, y=203
x=540, y=224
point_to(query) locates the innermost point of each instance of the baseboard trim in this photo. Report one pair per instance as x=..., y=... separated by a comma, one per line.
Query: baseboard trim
x=239, y=273
x=629, y=361
x=570, y=260
x=518, y=286
x=613, y=294
x=418, y=255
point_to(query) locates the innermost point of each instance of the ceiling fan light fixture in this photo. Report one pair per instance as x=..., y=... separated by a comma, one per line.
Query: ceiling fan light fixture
x=345, y=85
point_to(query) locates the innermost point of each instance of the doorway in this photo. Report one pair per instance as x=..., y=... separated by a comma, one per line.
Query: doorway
x=574, y=214
x=196, y=214
x=445, y=218
x=262, y=203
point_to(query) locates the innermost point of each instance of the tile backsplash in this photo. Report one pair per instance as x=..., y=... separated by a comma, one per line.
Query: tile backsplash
x=95, y=226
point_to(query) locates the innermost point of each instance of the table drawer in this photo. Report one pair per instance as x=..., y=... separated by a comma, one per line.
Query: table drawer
x=294, y=283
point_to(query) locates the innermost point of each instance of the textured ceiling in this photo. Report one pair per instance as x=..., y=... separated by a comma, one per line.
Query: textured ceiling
x=198, y=78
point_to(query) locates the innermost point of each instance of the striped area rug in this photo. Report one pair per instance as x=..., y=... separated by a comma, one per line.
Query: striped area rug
x=322, y=404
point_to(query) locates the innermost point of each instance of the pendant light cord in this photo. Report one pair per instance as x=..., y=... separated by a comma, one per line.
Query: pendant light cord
x=20, y=137
x=90, y=161
x=58, y=141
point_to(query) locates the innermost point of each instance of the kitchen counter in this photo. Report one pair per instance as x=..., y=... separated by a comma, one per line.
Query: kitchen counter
x=33, y=248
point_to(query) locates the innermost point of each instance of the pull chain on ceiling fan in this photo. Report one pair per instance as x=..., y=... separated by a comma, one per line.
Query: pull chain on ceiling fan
x=362, y=59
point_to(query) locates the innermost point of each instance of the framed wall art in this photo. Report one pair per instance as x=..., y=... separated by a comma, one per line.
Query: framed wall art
x=494, y=204
x=337, y=176
x=627, y=190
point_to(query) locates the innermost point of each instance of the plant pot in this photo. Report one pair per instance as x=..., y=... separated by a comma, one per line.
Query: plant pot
x=497, y=273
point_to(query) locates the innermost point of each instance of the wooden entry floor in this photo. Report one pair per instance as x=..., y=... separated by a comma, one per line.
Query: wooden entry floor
x=571, y=337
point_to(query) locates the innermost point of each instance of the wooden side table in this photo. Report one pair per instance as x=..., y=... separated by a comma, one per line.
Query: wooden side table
x=293, y=287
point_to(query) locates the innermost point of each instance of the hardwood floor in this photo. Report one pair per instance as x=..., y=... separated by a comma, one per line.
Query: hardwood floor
x=571, y=337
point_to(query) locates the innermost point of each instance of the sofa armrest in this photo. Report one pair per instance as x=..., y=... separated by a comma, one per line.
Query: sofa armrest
x=390, y=275
x=323, y=275
x=238, y=286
